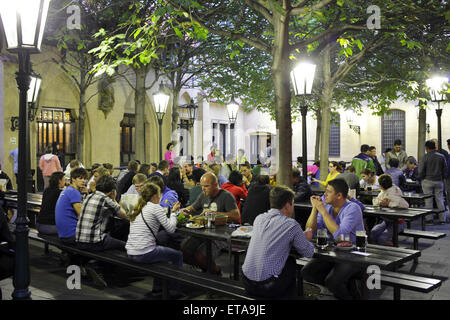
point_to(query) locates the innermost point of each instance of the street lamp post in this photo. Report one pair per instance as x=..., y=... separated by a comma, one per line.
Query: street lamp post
x=23, y=24
x=161, y=101
x=302, y=77
x=437, y=85
x=33, y=92
x=232, y=108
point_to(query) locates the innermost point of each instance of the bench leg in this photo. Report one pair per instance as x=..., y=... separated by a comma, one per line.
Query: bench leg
x=300, y=291
x=416, y=247
x=423, y=223
x=46, y=250
x=408, y=224
x=165, y=289
x=396, y=293
x=236, y=266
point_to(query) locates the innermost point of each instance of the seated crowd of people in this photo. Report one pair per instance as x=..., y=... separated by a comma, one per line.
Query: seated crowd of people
x=85, y=210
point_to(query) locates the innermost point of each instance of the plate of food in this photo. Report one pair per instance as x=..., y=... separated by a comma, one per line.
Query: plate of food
x=194, y=225
x=345, y=245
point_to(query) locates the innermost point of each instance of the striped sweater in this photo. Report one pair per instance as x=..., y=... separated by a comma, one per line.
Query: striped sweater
x=140, y=239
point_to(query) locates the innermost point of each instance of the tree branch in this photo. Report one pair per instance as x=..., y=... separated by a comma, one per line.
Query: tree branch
x=299, y=9
x=261, y=9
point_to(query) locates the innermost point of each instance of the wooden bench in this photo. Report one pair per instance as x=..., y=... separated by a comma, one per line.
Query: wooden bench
x=408, y=282
x=417, y=234
x=167, y=272
x=395, y=279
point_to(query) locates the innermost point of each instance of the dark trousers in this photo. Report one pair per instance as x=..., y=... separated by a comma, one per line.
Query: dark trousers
x=109, y=243
x=335, y=276
x=281, y=287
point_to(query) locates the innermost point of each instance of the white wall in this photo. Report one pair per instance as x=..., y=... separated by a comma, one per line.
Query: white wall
x=256, y=121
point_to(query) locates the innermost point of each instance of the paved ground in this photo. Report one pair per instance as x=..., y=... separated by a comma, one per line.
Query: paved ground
x=48, y=277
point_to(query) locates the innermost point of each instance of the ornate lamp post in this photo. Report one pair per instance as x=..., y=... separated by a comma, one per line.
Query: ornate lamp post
x=161, y=100
x=302, y=77
x=191, y=114
x=437, y=87
x=232, y=108
x=23, y=24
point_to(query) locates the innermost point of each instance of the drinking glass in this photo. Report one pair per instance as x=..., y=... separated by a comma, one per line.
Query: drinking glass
x=361, y=239
x=322, y=238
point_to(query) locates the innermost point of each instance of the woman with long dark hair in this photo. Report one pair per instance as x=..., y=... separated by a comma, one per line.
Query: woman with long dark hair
x=174, y=182
x=46, y=219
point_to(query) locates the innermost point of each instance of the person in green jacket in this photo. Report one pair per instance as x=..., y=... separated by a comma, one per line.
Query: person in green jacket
x=363, y=160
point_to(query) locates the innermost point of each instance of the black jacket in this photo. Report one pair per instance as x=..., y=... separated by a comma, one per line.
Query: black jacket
x=257, y=202
x=49, y=199
x=378, y=169
x=9, y=183
x=182, y=192
x=302, y=191
x=125, y=183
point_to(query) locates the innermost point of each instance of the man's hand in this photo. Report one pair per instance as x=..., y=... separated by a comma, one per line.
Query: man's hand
x=206, y=211
x=317, y=202
x=176, y=206
x=308, y=234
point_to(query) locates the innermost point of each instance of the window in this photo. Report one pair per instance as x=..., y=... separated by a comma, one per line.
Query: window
x=393, y=127
x=127, y=133
x=334, y=140
x=219, y=138
x=56, y=126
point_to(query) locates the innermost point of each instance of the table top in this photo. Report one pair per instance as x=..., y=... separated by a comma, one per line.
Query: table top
x=396, y=213
x=32, y=198
x=382, y=256
x=215, y=233
x=406, y=195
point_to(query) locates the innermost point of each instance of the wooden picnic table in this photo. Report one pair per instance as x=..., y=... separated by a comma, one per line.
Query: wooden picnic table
x=217, y=233
x=391, y=214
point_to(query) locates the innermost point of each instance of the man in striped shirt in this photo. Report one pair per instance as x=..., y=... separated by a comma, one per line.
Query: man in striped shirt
x=268, y=271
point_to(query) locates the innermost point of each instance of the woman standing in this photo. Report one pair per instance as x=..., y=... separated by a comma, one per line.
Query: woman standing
x=46, y=219
x=170, y=155
x=145, y=221
x=48, y=164
x=335, y=169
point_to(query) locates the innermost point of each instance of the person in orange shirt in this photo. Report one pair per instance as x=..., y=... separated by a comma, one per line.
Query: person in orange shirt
x=49, y=163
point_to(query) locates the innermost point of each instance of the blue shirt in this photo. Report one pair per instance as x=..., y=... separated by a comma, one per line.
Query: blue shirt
x=349, y=220
x=168, y=198
x=66, y=217
x=15, y=154
x=274, y=235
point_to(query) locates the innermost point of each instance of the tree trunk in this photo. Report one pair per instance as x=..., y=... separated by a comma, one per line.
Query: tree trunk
x=175, y=114
x=422, y=131
x=139, y=103
x=81, y=118
x=318, y=130
x=327, y=95
x=280, y=75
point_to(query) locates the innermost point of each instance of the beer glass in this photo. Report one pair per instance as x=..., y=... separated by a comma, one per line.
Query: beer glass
x=322, y=238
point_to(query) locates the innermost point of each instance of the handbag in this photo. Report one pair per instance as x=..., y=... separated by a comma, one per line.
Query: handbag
x=156, y=239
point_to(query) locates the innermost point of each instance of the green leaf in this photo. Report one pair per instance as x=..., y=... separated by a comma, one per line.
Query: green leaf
x=178, y=32
x=340, y=3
